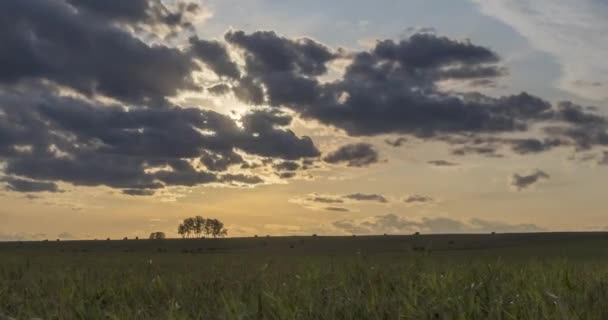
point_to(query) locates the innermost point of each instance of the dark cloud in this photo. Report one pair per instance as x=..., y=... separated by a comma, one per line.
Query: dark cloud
x=417, y=198
x=138, y=12
x=442, y=163
x=585, y=128
x=521, y=182
x=249, y=92
x=394, y=224
x=367, y=197
x=268, y=53
x=219, y=89
x=215, y=55
x=573, y=113
x=269, y=139
x=88, y=144
x=337, y=209
x=286, y=175
x=356, y=155
x=22, y=185
x=425, y=50
x=287, y=166
x=392, y=89
x=241, y=178
x=43, y=39
x=142, y=142
x=221, y=161
x=139, y=192
x=182, y=173
x=286, y=68
x=396, y=143
x=324, y=199
x=486, y=151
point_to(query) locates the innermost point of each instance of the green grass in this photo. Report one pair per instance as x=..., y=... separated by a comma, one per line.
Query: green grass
x=467, y=277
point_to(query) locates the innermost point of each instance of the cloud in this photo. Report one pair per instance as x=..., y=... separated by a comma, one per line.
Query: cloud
x=140, y=13
x=521, y=182
x=317, y=201
x=442, y=163
x=558, y=27
x=487, y=151
x=397, y=142
x=241, y=178
x=356, y=155
x=221, y=161
x=22, y=185
x=367, y=197
x=393, y=89
x=417, y=198
x=86, y=99
x=92, y=144
x=337, y=209
x=527, y=146
x=324, y=199
x=215, y=55
x=394, y=224
x=287, y=166
x=83, y=50
x=138, y=192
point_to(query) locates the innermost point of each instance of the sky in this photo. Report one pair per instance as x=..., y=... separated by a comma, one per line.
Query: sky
x=118, y=119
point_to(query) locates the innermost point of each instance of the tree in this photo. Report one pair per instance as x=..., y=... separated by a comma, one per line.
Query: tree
x=189, y=225
x=157, y=236
x=199, y=223
x=181, y=230
x=215, y=228
x=208, y=227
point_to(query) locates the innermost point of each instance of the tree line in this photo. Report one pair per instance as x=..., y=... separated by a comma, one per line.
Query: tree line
x=199, y=226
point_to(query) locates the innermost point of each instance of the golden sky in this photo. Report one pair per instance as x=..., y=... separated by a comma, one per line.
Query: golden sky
x=301, y=118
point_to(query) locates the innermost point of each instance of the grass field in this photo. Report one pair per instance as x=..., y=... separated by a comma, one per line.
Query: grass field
x=502, y=276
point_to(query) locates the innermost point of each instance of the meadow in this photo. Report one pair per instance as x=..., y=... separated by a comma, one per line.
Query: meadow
x=499, y=276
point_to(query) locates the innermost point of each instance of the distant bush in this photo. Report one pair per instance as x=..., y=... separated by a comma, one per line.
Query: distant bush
x=314, y=235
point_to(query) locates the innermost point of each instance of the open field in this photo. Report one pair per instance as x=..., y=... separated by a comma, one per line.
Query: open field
x=501, y=276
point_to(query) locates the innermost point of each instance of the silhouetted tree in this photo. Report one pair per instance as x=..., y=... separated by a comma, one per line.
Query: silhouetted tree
x=157, y=236
x=189, y=225
x=181, y=230
x=215, y=228
x=199, y=225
